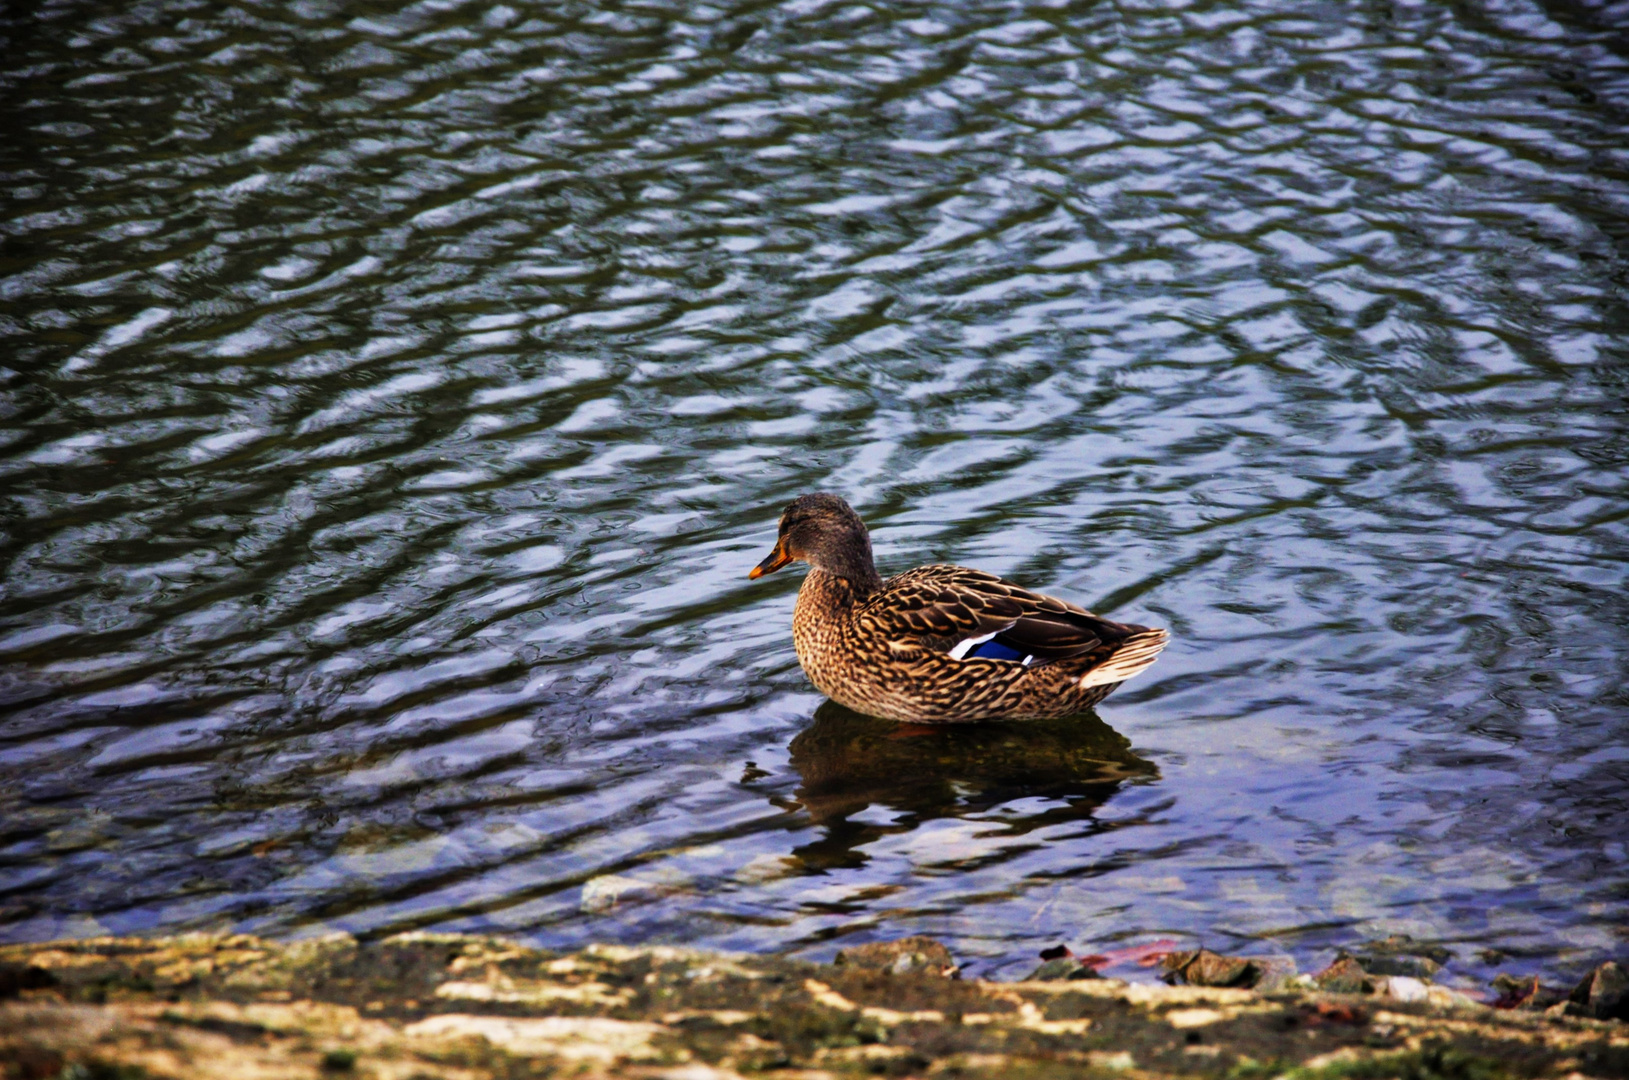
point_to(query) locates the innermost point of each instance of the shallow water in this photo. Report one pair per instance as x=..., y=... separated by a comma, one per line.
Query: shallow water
x=394, y=404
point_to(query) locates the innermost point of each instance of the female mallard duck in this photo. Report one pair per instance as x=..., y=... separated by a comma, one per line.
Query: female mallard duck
x=941, y=644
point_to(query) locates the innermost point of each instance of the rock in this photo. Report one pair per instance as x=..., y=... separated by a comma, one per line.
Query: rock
x=1060, y=962
x=1401, y=988
x=1403, y=945
x=1526, y=994
x=1444, y=998
x=766, y=868
x=1205, y=968
x=1402, y=955
x=15, y=978
x=1344, y=976
x=609, y=891
x=1062, y=967
x=1277, y=973
x=1113, y=1061
x=477, y=1008
x=1412, y=967
x=1604, y=994
x=898, y=957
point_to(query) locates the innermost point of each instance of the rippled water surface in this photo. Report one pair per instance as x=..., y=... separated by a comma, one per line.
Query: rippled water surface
x=396, y=395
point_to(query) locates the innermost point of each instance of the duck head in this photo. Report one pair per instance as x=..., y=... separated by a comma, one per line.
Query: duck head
x=825, y=532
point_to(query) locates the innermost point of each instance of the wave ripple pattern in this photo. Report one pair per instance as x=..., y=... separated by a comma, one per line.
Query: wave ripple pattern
x=396, y=395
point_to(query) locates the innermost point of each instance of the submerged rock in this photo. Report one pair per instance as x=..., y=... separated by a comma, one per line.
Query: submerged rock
x=1062, y=967
x=1402, y=955
x=907, y=954
x=1404, y=945
x=1604, y=994
x=1409, y=967
x=1060, y=962
x=609, y=891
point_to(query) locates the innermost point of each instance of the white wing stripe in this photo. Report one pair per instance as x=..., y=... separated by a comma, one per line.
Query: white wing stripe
x=962, y=646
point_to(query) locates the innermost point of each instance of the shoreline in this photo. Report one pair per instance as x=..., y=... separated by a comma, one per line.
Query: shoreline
x=423, y=1005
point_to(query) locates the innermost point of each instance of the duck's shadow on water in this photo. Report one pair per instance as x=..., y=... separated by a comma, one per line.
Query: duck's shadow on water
x=848, y=763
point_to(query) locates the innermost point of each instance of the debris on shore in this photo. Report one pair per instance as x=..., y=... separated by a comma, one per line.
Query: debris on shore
x=420, y=1006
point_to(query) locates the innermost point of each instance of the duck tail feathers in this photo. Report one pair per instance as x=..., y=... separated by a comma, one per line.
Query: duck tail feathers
x=1134, y=654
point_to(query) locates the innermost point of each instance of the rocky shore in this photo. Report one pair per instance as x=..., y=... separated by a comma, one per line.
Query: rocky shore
x=429, y=1005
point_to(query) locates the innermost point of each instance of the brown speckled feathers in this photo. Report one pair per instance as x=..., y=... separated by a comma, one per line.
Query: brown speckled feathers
x=907, y=648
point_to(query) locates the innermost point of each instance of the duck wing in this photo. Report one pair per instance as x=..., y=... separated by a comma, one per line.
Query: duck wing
x=968, y=613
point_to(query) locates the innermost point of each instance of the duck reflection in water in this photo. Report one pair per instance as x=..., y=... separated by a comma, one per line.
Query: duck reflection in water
x=848, y=762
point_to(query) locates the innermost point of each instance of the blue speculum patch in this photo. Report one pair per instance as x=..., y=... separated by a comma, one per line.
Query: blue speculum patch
x=993, y=650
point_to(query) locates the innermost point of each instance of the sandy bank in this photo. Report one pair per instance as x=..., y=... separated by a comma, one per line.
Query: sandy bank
x=419, y=1006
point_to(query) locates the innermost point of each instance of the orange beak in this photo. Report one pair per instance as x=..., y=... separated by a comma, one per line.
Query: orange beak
x=773, y=561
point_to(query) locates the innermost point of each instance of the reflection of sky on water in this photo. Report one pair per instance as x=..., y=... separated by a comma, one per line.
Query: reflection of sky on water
x=392, y=407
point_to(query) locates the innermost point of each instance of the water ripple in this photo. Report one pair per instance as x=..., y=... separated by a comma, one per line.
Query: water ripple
x=394, y=404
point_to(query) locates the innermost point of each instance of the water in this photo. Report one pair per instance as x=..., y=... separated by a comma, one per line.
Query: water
x=395, y=402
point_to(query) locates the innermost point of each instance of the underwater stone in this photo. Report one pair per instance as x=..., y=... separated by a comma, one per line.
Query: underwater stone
x=1402, y=955
x=1411, y=967
x=1063, y=967
x=915, y=953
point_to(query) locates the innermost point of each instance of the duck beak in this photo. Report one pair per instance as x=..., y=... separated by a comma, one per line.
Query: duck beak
x=773, y=561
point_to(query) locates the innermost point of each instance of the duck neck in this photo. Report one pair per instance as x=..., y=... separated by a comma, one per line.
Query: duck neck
x=840, y=590
x=858, y=575
x=851, y=563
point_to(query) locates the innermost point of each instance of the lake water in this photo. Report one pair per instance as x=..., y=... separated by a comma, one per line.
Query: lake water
x=396, y=396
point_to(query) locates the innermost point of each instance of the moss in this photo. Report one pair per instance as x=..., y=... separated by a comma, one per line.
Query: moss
x=101, y=1070
x=339, y=1061
x=1248, y=1068
x=1437, y=1062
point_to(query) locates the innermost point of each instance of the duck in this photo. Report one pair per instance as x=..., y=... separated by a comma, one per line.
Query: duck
x=941, y=644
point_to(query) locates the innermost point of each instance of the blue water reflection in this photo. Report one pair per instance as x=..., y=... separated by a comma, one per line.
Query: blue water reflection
x=393, y=405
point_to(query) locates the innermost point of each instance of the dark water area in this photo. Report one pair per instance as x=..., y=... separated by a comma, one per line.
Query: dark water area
x=395, y=397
